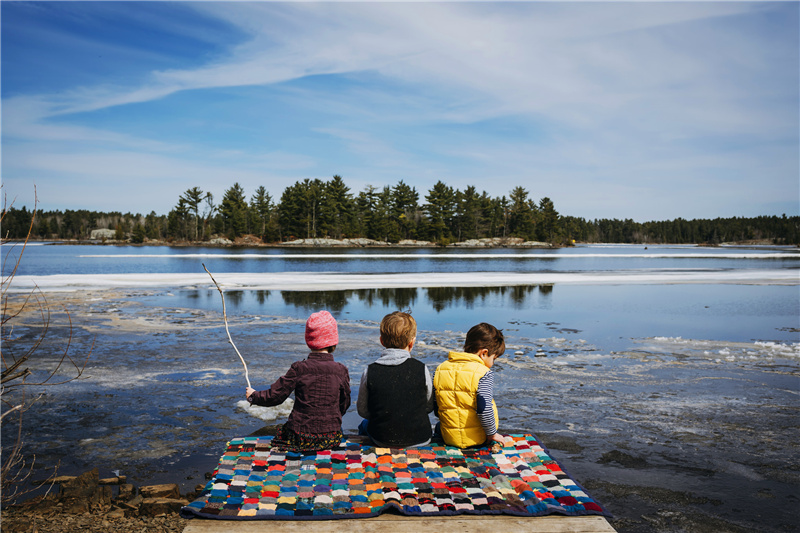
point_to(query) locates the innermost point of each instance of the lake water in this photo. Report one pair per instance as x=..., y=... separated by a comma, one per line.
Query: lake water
x=659, y=375
x=602, y=294
x=88, y=259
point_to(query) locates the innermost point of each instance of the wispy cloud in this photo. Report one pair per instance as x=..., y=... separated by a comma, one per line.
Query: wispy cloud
x=614, y=101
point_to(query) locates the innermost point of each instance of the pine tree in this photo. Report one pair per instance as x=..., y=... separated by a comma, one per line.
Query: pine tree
x=193, y=197
x=404, y=209
x=233, y=210
x=440, y=210
x=337, y=208
x=261, y=209
x=469, y=214
x=521, y=215
x=548, y=229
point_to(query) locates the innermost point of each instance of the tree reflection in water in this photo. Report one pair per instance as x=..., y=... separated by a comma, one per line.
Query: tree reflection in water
x=439, y=298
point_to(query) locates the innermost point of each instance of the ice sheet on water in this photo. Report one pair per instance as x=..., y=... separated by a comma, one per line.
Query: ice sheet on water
x=722, y=350
x=267, y=414
x=313, y=281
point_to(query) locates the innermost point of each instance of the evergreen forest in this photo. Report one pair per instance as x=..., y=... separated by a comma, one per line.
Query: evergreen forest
x=329, y=209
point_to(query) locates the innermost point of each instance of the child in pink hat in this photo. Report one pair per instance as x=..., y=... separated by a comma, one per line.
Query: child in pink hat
x=321, y=389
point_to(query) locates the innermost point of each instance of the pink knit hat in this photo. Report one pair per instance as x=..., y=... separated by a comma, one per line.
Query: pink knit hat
x=321, y=331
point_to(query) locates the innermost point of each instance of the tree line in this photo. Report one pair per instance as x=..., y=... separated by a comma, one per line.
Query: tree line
x=444, y=215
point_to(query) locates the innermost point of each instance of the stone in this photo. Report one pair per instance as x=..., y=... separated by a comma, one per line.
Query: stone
x=135, y=501
x=131, y=507
x=411, y=242
x=125, y=492
x=159, y=506
x=169, y=490
x=116, y=514
x=82, y=494
x=102, y=234
x=60, y=480
x=130, y=510
x=81, y=486
x=106, y=494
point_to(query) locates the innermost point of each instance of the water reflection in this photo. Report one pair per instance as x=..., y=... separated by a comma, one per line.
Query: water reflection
x=234, y=297
x=330, y=300
x=400, y=298
x=437, y=299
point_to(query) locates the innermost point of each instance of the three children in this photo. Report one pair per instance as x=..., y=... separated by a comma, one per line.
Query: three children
x=396, y=391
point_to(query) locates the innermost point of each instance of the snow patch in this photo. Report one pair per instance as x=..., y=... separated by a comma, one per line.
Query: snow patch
x=266, y=413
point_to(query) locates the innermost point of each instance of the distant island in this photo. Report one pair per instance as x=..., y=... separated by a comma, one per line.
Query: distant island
x=326, y=213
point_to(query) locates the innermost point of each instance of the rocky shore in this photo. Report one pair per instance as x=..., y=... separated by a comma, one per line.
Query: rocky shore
x=87, y=503
x=253, y=241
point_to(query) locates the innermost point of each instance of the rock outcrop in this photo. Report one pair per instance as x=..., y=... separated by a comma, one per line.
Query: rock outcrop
x=112, y=497
x=335, y=242
x=102, y=234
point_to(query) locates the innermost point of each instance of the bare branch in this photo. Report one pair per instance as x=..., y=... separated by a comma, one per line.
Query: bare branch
x=24, y=244
x=225, y=317
x=8, y=412
x=16, y=467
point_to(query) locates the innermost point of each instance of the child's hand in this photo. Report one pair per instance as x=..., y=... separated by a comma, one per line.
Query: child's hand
x=497, y=442
x=248, y=391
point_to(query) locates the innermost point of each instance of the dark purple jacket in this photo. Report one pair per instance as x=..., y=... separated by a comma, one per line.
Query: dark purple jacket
x=321, y=394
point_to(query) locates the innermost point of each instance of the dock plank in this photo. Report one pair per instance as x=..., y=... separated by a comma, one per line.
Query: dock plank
x=409, y=524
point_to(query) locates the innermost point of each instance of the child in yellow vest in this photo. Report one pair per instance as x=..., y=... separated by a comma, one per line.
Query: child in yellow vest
x=464, y=386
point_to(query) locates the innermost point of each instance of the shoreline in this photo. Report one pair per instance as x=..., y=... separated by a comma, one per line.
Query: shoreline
x=308, y=243
x=497, y=243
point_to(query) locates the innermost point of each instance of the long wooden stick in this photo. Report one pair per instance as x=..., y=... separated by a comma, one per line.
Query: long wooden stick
x=225, y=317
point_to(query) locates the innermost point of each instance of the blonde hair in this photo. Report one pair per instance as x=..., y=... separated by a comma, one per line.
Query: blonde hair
x=398, y=329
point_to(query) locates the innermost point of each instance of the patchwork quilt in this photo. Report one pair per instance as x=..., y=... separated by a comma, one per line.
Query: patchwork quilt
x=254, y=481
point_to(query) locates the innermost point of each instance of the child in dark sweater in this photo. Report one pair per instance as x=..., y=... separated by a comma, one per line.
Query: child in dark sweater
x=321, y=389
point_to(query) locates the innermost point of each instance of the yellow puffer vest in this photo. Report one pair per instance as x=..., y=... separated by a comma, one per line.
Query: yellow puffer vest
x=456, y=384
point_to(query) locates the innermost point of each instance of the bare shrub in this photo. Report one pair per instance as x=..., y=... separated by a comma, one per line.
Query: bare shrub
x=26, y=367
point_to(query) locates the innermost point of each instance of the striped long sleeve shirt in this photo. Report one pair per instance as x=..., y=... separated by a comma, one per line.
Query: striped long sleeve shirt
x=485, y=406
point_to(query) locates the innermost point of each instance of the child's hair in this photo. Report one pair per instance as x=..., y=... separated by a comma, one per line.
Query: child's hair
x=398, y=329
x=485, y=336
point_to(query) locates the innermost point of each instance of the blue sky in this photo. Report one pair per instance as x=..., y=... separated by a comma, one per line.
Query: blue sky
x=640, y=110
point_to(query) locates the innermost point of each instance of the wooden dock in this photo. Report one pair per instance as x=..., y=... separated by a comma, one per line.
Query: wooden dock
x=410, y=524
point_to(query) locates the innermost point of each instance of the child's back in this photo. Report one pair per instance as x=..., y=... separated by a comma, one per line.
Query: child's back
x=464, y=386
x=321, y=389
x=396, y=392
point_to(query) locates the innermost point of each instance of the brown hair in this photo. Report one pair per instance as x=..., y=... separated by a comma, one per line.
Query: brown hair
x=485, y=336
x=398, y=329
